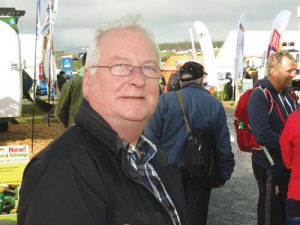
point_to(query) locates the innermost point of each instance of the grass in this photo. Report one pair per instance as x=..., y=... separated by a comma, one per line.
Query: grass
x=27, y=113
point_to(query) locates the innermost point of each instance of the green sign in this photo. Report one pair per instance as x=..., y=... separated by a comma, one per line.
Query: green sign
x=247, y=84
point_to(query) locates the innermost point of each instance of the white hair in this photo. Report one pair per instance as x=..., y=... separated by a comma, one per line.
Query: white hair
x=197, y=81
x=133, y=22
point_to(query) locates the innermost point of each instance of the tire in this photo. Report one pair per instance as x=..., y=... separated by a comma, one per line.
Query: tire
x=3, y=126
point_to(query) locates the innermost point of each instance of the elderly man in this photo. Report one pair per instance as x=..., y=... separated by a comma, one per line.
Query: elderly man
x=267, y=120
x=103, y=170
x=203, y=112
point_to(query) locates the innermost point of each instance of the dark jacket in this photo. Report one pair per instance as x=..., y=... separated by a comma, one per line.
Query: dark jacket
x=166, y=127
x=267, y=128
x=84, y=177
x=60, y=82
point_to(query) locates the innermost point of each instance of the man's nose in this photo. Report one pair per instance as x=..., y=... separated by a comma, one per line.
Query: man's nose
x=137, y=77
x=293, y=74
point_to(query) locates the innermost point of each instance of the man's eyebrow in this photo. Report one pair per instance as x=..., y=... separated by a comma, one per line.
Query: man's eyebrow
x=127, y=60
x=150, y=62
x=119, y=58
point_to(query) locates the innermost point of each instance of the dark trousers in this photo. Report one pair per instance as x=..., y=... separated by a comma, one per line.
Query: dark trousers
x=197, y=199
x=272, y=193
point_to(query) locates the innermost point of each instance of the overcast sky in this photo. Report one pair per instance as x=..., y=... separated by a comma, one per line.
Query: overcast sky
x=169, y=20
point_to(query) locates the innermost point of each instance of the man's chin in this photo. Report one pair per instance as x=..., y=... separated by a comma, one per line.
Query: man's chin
x=136, y=117
x=289, y=84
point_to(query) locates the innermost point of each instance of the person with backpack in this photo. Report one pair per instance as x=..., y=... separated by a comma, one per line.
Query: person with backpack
x=266, y=120
x=290, y=150
x=203, y=111
x=173, y=83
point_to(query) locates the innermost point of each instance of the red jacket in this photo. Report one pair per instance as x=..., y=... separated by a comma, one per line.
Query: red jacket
x=290, y=149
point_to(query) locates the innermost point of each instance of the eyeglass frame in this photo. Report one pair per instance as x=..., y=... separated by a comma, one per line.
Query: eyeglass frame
x=130, y=71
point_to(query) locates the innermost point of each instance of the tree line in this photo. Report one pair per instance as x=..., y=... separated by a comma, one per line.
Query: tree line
x=186, y=45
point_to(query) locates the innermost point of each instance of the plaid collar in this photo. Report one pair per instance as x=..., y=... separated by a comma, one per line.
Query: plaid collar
x=146, y=147
x=148, y=173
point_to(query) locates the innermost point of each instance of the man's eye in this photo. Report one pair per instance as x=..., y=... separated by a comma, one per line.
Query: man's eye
x=147, y=68
x=120, y=65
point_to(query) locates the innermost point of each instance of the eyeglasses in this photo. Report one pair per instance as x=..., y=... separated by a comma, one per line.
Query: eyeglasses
x=122, y=70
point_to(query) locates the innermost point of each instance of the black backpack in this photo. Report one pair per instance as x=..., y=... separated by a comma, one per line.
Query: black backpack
x=173, y=83
x=199, y=167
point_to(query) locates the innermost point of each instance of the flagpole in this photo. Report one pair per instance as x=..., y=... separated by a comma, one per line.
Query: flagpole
x=37, y=35
x=193, y=45
x=49, y=62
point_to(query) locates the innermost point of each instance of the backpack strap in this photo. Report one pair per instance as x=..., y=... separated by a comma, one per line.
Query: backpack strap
x=267, y=95
x=270, y=101
x=187, y=125
x=292, y=95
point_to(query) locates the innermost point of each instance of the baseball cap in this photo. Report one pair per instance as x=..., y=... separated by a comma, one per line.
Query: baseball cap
x=191, y=71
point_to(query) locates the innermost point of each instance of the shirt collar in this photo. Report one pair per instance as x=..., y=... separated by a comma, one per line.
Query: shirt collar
x=147, y=148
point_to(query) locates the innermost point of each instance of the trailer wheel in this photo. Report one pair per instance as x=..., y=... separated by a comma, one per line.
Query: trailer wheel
x=3, y=126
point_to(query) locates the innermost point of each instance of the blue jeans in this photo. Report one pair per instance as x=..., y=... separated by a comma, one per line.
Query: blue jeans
x=292, y=220
x=197, y=199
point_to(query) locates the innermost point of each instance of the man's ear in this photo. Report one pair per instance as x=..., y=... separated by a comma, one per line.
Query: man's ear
x=86, y=82
x=273, y=72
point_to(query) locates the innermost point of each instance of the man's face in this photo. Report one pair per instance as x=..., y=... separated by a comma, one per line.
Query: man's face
x=285, y=73
x=129, y=98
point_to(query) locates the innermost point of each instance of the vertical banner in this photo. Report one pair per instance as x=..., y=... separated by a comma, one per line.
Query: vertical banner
x=38, y=46
x=279, y=25
x=193, y=45
x=208, y=52
x=47, y=64
x=54, y=13
x=239, y=58
x=47, y=20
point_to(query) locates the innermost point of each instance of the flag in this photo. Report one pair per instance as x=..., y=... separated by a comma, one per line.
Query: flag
x=51, y=17
x=208, y=52
x=47, y=20
x=193, y=45
x=54, y=13
x=279, y=25
x=239, y=58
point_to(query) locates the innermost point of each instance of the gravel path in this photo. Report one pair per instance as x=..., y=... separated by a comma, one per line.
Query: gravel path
x=235, y=203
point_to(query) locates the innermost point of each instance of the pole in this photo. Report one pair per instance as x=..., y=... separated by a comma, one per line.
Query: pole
x=37, y=33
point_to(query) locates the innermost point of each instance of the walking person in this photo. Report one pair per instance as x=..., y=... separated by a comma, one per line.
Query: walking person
x=266, y=119
x=204, y=112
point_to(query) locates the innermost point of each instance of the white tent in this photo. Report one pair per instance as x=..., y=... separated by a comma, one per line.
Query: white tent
x=256, y=42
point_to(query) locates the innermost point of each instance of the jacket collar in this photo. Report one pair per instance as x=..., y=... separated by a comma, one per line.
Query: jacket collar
x=87, y=118
x=193, y=85
x=266, y=83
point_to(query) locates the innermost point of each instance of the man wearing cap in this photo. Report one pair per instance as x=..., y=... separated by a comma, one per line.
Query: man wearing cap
x=167, y=128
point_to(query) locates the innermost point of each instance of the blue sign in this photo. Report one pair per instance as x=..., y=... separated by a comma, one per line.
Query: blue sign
x=67, y=64
x=80, y=55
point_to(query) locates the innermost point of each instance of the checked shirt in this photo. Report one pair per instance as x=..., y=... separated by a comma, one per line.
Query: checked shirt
x=151, y=178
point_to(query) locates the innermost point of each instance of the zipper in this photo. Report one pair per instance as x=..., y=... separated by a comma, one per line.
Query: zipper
x=197, y=154
x=212, y=162
x=148, y=189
